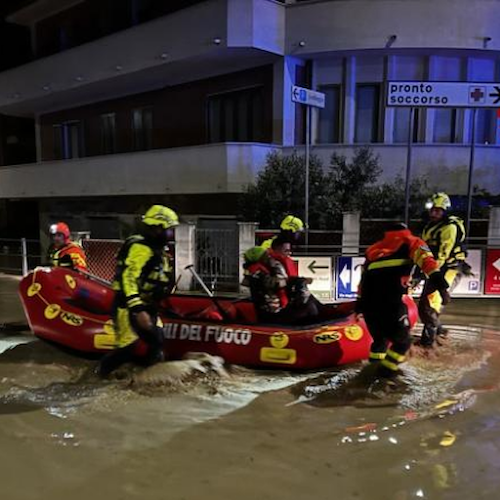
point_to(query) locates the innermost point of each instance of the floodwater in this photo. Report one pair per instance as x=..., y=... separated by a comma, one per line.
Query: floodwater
x=194, y=429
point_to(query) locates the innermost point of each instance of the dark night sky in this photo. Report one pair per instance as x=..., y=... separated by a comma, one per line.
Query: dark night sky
x=7, y=6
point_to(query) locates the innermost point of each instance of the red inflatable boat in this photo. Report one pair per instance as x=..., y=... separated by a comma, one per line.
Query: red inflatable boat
x=72, y=310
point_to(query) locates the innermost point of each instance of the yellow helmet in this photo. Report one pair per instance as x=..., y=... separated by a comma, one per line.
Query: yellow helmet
x=254, y=254
x=292, y=223
x=439, y=200
x=158, y=215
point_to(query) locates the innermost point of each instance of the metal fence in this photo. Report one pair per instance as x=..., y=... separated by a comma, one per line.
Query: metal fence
x=217, y=259
x=101, y=256
x=17, y=256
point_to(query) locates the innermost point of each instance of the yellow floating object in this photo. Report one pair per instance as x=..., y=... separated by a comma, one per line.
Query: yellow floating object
x=446, y=403
x=448, y=439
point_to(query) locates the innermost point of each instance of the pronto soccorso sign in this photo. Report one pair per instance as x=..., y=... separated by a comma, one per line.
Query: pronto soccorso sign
x=443, y=94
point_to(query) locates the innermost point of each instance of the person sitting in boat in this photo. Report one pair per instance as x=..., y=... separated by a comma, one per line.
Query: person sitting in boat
x=278, y=298
x=384, y=281
x=143, y=278
x=63, y=252
x=291, y=228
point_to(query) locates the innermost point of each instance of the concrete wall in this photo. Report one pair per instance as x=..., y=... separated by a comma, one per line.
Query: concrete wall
x=367, y=24
x=218, y=168
x=228, y=168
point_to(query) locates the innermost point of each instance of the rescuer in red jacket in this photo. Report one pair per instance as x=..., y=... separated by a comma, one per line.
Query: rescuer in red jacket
x=63, y=252
x=385, y=280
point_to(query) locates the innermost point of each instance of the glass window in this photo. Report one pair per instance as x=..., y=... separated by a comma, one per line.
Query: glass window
x=108, y=134
x=329, y=116
x=236, y=116
x=367, y=113
x=486, y=120
x=401, y=123
x=68, y=140
x=57, y=141
x=445, y=121
x=142, y=124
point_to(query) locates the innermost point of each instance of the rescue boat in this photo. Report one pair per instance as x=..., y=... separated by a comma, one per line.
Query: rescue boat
x=73, y=311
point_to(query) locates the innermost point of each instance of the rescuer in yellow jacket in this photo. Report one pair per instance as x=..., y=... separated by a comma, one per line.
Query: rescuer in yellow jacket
x=142, y=279
x=445, y=235
x=291, y=228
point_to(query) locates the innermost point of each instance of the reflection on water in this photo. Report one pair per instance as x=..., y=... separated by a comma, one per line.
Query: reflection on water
x=198, y=430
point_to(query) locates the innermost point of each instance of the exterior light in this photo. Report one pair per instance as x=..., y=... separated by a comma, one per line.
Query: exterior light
x=79, y=78
x=390, y=41
x=217, y=41
x=46, y=88
x=302, y=43
x=486, y=41
x=118, y=67
x=163, y=55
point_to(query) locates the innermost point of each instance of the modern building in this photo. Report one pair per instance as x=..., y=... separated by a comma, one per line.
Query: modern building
x=110, y=108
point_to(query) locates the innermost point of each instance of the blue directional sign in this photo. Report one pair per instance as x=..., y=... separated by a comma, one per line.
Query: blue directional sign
x=348, y=276
x=308, y=97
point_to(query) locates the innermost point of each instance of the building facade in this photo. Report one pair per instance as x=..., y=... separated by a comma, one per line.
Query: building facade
x=181, y=101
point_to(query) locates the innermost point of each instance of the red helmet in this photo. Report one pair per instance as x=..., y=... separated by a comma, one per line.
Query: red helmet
x=60, y=228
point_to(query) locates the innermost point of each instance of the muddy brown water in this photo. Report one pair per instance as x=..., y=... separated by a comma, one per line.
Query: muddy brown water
x=194, y=430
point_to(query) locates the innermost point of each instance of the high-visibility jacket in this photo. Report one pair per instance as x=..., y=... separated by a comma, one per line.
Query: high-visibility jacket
x=143, y=274
x=446, y=240
x=388, y=267
x=70, y=255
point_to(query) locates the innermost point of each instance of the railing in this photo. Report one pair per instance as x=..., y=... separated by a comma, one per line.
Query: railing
x=17, y=256
x=217, y=260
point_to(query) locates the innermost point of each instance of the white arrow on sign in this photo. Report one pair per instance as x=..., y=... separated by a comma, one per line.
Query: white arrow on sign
x=345, y=275
x=496, y=264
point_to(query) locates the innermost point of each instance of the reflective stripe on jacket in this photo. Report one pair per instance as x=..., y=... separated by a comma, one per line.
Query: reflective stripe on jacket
x=143, y=274
x=445, y=239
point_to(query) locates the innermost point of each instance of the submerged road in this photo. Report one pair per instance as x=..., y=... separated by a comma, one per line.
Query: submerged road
x=181, y=434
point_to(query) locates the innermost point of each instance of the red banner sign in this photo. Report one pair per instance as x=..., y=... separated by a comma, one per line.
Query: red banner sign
x=492, y=280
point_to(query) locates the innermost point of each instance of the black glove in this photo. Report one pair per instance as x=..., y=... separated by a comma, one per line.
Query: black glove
x=466, y=269
x=416, y=278
x=438, y=283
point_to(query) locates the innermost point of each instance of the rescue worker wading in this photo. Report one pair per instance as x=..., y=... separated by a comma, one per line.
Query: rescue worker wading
x=63, y=252
x=291, y=228
x=385, y=280
x=445, y=235
x=142, y=280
